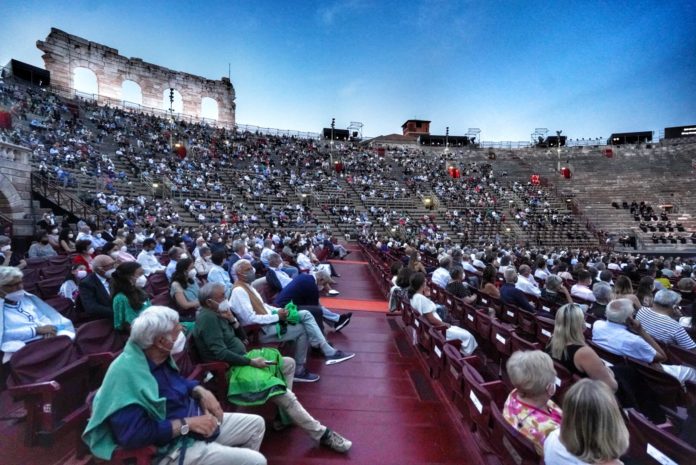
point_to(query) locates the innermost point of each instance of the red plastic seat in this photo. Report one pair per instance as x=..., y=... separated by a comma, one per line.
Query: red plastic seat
x=520, y=343
x=651, y=445
x=544, y=329
x=49, y=287
x=670, y=392
x=479, y=396
x=99, y=336
x=501, y=339
x=157, y=283
x=436, y=360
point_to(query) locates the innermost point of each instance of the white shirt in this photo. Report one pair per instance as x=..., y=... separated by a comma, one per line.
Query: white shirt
x=441, y=277
x=582, y=291
x=555, y=452
x=528, y=286
x=149, y=263
x=265, y=253
x=242, y=308
x=423, y=305
x=541, y=273
x=303, y=261
x=283, y=277
x=469, y=267
x=171, y=268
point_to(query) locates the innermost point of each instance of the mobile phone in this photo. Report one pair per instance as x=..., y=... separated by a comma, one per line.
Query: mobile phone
x=271, y=362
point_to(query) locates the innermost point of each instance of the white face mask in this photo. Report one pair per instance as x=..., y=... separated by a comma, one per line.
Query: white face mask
x=114, y=255
x=90, y=251
x=182, y=256
x=151, y=252
x=192, y=274
x=124, y=248
x=6, y=248
x=108, y=273
x=179, y=344
x=81, y=274
x=141, y=281
x=15, y=296
x=224, y=306
x=70, y=236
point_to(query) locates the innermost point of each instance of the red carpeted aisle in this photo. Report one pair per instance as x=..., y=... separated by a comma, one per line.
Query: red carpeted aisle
x=382, y=399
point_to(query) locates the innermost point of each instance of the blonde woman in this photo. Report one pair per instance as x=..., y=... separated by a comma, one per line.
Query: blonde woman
x=529, y=407
x=623, y=289
x=568, y=347
x=592, y=431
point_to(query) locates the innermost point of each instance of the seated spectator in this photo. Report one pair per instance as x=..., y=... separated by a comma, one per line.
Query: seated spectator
x=239, y=252
x=121, y=251
x=614, y=336
x=130, y=411
x=623, y=289
x=555, y=292
x=441, y=275
x=660, y=320
x=510, y=294
x=249, y=307
x=203, y=262
x=53, y=239
x=217, y=273
x=563, y=272
x=581, y=289
x=129, y=298
x=400, y=288
x=66, y=242
x=276, y=278
x=95, y=289
x=184, y=288
x=526, y=282
x=8, y=257
x=41, y=248
x=175, y=253
x=568, y=346
x=529, y=407
x=603, y=295
x=588, y=407
x=304, y=291
x=662, y=281
x=645, y=291
x=25, y=317
x=84, y=251
x=69, y=289
x=427, y=308
x=541, y=272
x=219, y=336
x=606, y=276
x=488, y=280
x=147, y=258
x=458, y=288
x=414, y=261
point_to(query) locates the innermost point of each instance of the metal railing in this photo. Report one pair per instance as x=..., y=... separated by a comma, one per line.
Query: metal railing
x=57, y=194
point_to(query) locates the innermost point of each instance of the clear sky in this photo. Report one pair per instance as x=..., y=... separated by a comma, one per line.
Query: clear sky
x=587, y=67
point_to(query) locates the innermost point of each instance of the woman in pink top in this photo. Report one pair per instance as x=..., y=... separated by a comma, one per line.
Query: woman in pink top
x=529, y=407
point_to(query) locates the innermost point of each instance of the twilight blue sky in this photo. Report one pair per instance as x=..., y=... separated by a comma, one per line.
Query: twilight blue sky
x=507, y=67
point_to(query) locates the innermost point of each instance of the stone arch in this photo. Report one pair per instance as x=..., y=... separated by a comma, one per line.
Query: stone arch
x=85, y=82
x=131, y=93
x=178, y=104
x=209, y=108
x=11, y=203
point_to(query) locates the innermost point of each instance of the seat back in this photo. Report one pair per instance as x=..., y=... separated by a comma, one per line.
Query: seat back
x=526, y=322
x=38, y=360
x=681, y=356
x=99, y=336
x=49, y=287
x=479, y=396
x=653, y=446
x=511, y=446
x=668, y=389
x=157, y=283
x=544, y=329
x=520, y=343
x=501, y=339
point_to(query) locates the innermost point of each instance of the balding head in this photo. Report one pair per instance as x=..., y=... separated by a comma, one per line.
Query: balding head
x=525, y=270
x=102, y=263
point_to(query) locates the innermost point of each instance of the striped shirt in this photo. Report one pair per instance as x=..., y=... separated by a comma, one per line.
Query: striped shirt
x=664, y=329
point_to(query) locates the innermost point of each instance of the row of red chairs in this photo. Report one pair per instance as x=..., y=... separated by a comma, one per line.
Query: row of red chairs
x=479, y=395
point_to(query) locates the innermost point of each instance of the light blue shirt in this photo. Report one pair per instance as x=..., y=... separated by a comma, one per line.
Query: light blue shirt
x=617, y=339
x=217, y=274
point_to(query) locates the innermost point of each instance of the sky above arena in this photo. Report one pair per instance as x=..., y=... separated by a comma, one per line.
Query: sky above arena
x=587, y=67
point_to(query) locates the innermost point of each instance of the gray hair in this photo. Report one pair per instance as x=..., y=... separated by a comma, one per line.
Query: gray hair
x=445, y=261
x=207, y=291
x=152, y=323
x=510, y=275
x=553, y=282
x=203, y=250
x=666, y=298
x=9, y=274
x=238, y=264
x=238, y=245
x=619, y=310
x=457, y=253
x=602, y=292
x=274, y=257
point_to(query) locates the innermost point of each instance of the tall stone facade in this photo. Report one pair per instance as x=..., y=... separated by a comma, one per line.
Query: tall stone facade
x=64, y=52
x=15, y=187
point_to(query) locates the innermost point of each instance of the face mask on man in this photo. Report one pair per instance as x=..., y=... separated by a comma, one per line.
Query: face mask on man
x=124, y=248
x=141, y=281
x=250, y=276
x=178, y=345
x=6, y=248
x=224, y=306
x=81, y=274
x=15, y=296
x=109, y=273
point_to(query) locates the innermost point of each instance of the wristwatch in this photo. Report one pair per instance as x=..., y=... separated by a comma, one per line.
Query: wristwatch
x=184, y=430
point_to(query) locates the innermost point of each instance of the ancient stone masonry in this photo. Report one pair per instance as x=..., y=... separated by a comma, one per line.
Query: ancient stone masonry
x=64, y=52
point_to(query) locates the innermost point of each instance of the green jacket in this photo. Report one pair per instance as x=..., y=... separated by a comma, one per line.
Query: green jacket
x=128, y=381
x=124, y=314
x=216, y=339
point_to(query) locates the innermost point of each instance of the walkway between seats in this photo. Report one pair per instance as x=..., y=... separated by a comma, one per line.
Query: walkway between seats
x=382, y=399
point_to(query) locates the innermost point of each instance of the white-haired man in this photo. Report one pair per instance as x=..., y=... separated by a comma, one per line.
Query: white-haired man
x=145, y=401
x=614, y=335
x=249, y=307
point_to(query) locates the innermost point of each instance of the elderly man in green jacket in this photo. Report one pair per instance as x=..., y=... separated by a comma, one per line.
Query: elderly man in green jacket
x=257, y=376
